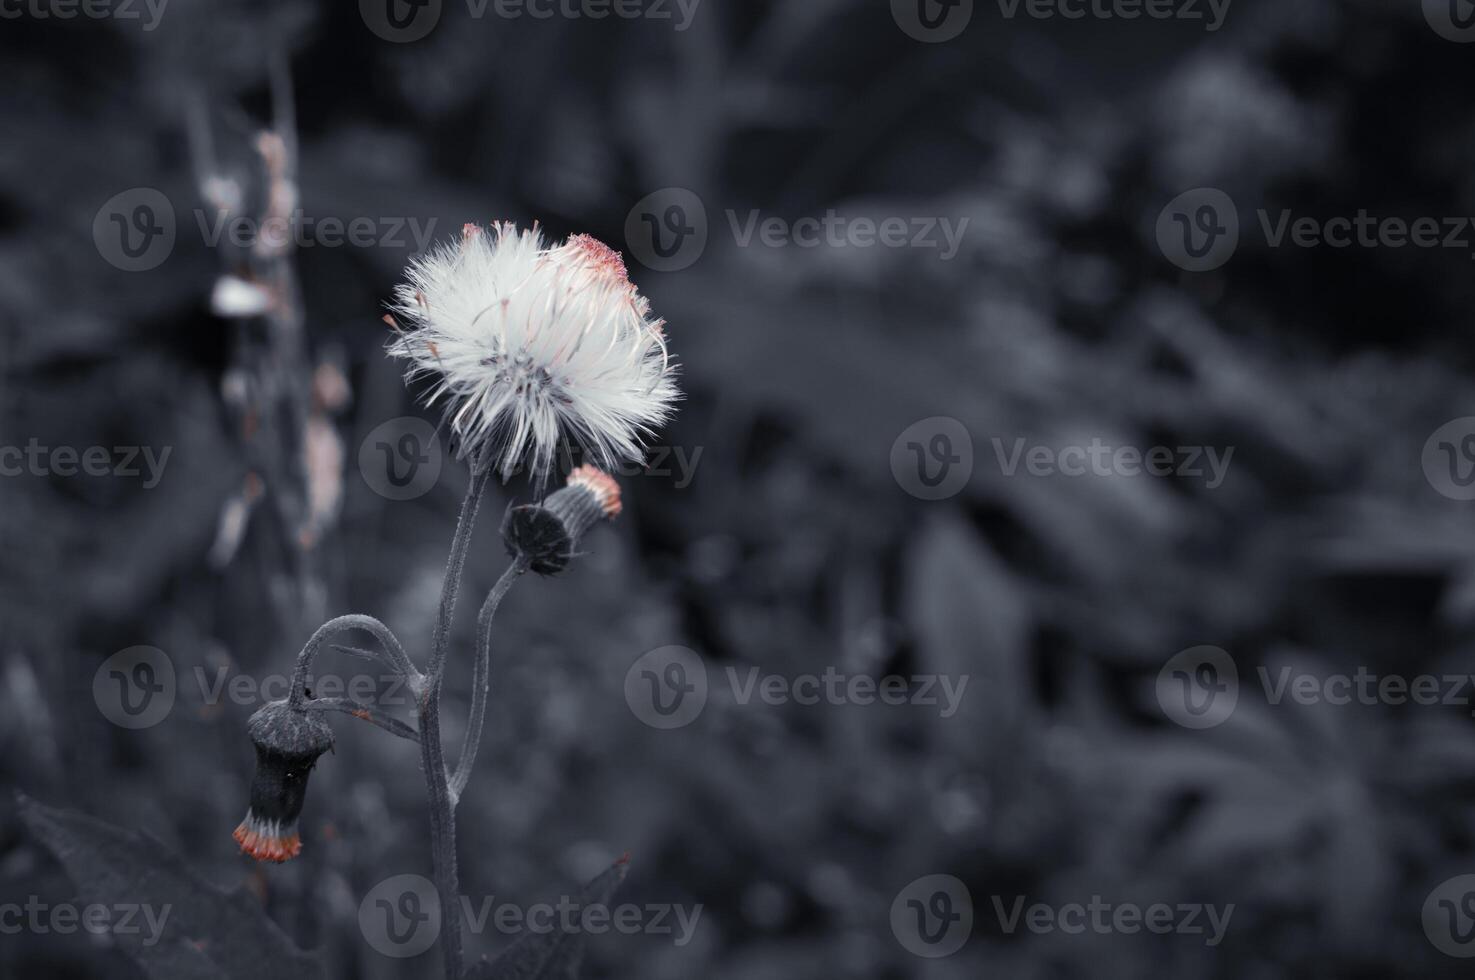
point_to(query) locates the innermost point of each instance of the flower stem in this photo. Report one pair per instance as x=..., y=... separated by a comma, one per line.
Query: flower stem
x=451, y=588
x=482, y=675
x=432, y=757
x=442, y=828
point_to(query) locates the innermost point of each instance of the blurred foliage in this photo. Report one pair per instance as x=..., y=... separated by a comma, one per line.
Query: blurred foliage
x=793, y=548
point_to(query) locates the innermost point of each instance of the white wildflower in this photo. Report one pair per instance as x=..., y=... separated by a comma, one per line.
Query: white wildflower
x=531, y=344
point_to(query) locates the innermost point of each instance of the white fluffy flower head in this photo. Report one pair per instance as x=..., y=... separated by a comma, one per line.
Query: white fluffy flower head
x=531, y=344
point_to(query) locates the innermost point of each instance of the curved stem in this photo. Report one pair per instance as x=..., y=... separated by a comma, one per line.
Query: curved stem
x=481, y=679
x=396, y=653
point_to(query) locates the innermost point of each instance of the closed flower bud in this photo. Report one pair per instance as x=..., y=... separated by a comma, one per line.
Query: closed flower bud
x=288, y=742
x=547, y=535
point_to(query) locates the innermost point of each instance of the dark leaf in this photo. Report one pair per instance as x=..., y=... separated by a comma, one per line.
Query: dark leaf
x=209, y=933
x=553, y=955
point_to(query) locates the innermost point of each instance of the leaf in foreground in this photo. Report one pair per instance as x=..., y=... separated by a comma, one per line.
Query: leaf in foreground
x=553, y=955
x=209, y=933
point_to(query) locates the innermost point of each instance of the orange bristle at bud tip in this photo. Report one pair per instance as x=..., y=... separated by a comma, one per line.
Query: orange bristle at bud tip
x=265, y=847
x=601, y=484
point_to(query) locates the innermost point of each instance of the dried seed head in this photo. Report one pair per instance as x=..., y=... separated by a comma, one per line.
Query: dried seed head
x=531, y=344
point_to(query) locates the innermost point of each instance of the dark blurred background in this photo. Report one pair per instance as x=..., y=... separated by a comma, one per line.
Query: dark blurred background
x=786, y=523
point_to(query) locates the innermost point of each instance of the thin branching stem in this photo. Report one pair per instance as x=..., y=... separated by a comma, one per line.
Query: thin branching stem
x=481, y=679
x=365, y=712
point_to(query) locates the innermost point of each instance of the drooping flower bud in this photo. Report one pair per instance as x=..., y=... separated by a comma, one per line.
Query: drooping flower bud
x=288, y=742
x=548, y=534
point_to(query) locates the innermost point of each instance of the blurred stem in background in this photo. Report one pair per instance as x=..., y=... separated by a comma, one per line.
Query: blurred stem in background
x=282, y=404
